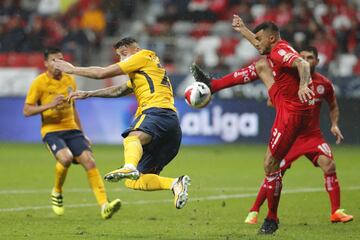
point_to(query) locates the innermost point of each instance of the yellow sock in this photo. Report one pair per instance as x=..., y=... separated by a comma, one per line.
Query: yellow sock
x=97, y=185
x=60, y=175
x=132, y=150
x=150, y=182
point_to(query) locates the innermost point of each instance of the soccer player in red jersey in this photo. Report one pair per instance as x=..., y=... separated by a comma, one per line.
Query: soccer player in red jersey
x=292, y=97
x=312, y=144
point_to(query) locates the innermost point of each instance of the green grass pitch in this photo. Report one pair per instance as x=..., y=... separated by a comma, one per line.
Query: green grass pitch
x=225, y=179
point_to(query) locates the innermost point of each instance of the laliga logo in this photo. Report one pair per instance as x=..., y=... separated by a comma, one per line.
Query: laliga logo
x=228, y=126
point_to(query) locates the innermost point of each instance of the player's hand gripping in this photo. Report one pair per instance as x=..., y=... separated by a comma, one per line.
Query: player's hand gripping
x=78, y=95
x=335, y=130
x=58, y=100
x=237, y=23
x=63, y=66
x=305, y=94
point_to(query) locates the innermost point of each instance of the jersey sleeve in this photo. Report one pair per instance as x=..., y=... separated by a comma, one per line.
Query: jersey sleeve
x=284, y=55
x=129, y=84
x=34, y=93
x=74, y=85
x=133, y=63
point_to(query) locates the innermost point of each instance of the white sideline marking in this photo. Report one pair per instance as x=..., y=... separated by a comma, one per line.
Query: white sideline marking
x=208, y=198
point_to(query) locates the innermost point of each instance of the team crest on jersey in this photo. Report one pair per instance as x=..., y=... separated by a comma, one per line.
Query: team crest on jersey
x=320, y=89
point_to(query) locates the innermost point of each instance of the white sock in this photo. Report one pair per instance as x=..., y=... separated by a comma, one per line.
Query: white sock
x=130, y=166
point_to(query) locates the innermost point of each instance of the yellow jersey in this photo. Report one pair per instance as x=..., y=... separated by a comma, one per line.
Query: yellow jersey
x=149, y=81
x=42, y=91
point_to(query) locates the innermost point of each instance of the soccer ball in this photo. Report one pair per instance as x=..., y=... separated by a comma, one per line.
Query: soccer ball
x=197, y=95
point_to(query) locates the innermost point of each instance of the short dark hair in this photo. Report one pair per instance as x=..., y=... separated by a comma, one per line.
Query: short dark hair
x=51, y=50
x=311, y=49
x=267, y=26
x=125, y=42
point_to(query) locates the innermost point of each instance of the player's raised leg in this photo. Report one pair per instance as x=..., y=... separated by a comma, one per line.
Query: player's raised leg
x=332, y=186
x=241, y=76
x=133, y=152
x=153, y=182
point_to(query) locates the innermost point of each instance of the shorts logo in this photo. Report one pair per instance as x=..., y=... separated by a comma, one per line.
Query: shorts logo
x=325, y=149
x=276, y=135
x=320, y=89
x=53, y=147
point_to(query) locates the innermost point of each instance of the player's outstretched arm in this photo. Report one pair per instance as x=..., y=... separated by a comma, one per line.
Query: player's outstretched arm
x=30, y=110
x=109, y=92
x=239, y=26
x=334, y=118
x=303, y=67
x=90, y=72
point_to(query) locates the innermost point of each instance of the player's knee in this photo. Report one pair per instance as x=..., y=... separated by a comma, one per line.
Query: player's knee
x=86, y=160
x=271, y=165
x=144, y=138
x=329, y=166
x=65, y=158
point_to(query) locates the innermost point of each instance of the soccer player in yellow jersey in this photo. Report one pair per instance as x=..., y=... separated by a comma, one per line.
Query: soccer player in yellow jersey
x=154, y=137
x=61, y=132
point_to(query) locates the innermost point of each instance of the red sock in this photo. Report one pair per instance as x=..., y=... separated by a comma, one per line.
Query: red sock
x=260, y=198
x=241, y=76
x=273, y=185
x=333, y=188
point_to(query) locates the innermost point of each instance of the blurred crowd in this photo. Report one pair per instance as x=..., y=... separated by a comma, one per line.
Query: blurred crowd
x=186, y=30
x=333, y=26
x=74, y=26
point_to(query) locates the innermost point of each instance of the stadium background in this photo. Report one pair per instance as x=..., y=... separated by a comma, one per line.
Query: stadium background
x=180, y=32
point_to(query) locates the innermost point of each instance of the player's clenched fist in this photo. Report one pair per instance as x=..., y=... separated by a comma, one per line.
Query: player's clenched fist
x=237, y=23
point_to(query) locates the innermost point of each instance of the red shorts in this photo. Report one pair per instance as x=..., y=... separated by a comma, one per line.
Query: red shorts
x=287, y=127
x=311, y=146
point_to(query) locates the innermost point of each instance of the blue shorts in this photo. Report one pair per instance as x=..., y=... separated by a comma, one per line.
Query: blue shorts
x=164, y=127
x=73, y=139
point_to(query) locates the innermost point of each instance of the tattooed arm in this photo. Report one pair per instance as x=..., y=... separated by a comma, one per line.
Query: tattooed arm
x=110, y=92
x=303, y=67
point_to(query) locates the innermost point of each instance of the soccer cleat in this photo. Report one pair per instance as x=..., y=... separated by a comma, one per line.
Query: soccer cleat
x=252, y=218
x=200, y=75
x=121, y=173
x=340, y=216
x=180, y=189
x=269, y=227
x=57, y=203
x=108, y=209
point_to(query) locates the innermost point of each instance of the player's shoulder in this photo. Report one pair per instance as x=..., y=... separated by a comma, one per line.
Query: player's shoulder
x=282, y=49
x=146, y=53
x=281, y=44
x=40, y=79
x=318, y=77
x=68, y=77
